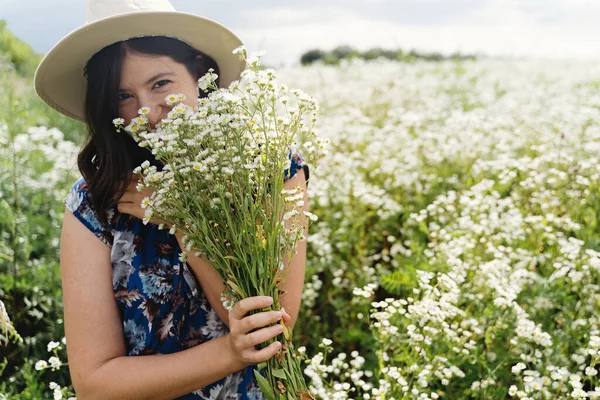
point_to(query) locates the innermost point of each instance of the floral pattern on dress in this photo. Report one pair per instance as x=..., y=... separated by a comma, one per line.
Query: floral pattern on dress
x=122, y=255
x=161, y=304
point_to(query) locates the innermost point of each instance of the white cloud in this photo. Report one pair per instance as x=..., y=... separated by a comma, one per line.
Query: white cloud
x=286, y=29
x=281, y=15
x=500, y=28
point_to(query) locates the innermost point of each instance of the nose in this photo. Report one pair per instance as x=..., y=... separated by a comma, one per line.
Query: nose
x=157, y=112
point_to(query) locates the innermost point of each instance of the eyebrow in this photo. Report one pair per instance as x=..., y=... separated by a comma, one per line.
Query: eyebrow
x=159, y=75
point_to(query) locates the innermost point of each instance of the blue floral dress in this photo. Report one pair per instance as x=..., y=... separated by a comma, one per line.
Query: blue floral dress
x=161, y=304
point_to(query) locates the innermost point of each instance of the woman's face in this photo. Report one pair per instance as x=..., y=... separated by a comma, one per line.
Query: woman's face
x=146, y=80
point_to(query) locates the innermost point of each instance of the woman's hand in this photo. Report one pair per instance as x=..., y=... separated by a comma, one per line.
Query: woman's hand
x=243, y=337
x=131, y=201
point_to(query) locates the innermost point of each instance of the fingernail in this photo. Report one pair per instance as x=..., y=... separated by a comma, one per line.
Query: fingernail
x=283, y=310
x=277, y=344
x=268, y=300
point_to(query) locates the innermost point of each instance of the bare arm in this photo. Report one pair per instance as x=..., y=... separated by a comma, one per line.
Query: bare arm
x=294, y=282
x=212, y=284
x=99, y=366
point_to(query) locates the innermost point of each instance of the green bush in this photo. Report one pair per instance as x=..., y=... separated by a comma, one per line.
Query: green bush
x=37, y=167
x=20, y=54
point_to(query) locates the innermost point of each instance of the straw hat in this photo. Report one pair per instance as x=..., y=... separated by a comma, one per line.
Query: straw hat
x=59, y=79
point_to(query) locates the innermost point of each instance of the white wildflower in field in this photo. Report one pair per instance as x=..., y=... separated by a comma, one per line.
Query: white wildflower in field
x=53, y=345
x=472, y=198
x=54, y=362
x=456, y=253
x=40, y=365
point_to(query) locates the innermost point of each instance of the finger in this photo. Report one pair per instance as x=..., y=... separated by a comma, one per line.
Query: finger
x=125, y=208
x=133, y=184
x=127, y=197
x=132, y=195
x=262, y=335
x=286, y=317
x=242, y=307
x=133, y=188
x=259, y=320
x=261, y=355
x=134, y=180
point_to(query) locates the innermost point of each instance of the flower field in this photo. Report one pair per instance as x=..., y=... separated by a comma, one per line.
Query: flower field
x=456, y=254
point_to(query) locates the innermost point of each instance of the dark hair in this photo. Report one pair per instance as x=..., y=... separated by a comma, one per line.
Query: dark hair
x=107, y=158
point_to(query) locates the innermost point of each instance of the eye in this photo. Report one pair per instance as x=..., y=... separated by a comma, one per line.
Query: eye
x=123, y=98
x=165, y=82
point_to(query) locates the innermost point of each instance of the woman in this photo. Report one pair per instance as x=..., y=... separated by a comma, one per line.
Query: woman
x=139, y=322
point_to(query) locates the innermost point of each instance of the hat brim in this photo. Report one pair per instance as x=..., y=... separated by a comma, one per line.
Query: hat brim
x=59, y=79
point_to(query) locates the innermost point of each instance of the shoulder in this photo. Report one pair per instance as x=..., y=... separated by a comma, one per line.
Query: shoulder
x=78, y=194
x=79, y=203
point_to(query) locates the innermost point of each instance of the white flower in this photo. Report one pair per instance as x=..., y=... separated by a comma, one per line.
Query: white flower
x=140, y=120
x=40, y=365
x=239, y=49
x=327, y=342
x=118, y=122
x=227, y=301
x=53, y=385
x=57, y=394
x=172, y=99
x=518, y=368
x=290, y=214
x=147, y=216
x=144, y=111
x=310, y=215
x=54, y=362
x=53, y=345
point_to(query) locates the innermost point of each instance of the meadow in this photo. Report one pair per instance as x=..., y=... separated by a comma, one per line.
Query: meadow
x=457, y=251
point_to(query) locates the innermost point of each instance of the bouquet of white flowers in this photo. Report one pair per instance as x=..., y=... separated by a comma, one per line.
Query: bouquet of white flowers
x=222, y=185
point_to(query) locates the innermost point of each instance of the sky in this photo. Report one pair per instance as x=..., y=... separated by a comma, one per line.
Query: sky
x=286, y=29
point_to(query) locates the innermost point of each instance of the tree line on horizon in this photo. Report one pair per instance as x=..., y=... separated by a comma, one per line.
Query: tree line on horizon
x=339, y=53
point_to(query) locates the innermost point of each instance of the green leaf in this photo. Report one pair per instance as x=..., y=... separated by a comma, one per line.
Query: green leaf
x=279, y=373
x=6, y=213
x=398, y=281
x=423, y=228
x=264, y=386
